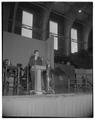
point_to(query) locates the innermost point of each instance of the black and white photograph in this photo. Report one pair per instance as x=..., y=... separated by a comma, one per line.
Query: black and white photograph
x=47, y=59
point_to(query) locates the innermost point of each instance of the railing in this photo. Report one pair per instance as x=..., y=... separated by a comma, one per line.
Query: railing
x=40, y=31
x=36, y=30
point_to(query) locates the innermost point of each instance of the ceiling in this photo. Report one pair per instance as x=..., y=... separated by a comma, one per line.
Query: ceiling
x=65, y=8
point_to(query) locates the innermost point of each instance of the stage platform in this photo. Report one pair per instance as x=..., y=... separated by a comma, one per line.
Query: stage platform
x=51, y=105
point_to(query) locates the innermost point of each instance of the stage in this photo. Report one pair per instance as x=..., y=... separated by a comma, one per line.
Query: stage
x=51, y=105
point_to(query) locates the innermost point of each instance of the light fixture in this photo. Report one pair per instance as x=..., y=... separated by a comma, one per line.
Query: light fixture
x=79, y=11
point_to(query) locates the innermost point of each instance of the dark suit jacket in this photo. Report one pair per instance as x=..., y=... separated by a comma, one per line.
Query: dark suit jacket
x=32, y=61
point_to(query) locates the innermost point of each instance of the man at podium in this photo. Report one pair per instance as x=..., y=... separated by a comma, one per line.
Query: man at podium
x=35, y=59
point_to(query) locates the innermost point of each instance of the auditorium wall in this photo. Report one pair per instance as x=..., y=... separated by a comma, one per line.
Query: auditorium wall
x=41, y=19
x=19, y=49
x=5, y=16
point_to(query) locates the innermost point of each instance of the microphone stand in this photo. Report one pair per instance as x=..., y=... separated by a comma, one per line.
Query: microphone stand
x=48, y=78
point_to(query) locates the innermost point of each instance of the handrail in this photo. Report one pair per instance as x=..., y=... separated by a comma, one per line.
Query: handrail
x=40, y=31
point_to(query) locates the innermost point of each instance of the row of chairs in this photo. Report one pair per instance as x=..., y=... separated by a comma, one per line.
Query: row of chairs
x=16, y=82
x=13, y=79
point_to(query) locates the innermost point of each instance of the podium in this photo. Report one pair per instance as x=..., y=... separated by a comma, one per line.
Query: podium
x=38, y=78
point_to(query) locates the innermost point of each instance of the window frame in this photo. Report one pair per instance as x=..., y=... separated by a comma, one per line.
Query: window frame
x=73, y=40
x=27, y=27
x=55, y=35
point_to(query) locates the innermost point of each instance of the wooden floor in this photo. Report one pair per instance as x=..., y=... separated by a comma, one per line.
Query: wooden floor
x=53, y=105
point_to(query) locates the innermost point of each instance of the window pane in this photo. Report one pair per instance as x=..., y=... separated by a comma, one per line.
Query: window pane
x=54, y=30
x=26, y=33
x=74, y=47
x=55, y=43
x=27, y=18
x=74, y=34
x=53, y=27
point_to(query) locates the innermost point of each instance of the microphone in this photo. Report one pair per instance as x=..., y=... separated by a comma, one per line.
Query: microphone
x=42, y=58
x=35, y=58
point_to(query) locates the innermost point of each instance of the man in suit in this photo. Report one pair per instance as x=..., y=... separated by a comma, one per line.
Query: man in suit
x=35, y=59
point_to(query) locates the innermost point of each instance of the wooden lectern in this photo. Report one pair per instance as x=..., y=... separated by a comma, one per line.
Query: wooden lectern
x=38, y=86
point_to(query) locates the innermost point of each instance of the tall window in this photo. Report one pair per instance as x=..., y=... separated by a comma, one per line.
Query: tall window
x=27, y=23
x=54, y=31
x=74, y=41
